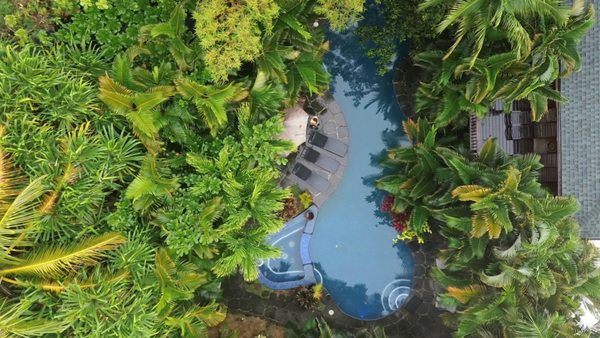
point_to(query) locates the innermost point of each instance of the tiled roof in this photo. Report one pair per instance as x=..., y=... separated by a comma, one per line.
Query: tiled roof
x=580, y=135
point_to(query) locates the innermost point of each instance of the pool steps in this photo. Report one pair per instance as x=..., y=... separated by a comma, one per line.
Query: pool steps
x=309, y=273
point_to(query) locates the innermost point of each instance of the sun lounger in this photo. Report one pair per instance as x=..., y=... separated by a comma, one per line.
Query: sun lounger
x=330, y=144
x=316, y=181
x=319, y=159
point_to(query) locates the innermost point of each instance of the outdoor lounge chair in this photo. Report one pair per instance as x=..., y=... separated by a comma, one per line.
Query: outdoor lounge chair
x=319, y=159
x=330, y=144
x=318, y=182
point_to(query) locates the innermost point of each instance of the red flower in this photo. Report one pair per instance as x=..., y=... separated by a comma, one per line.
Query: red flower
x=386, y=205
x=399, y=220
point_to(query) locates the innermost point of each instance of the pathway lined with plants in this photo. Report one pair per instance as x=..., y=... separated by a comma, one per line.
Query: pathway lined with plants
x=418, y=318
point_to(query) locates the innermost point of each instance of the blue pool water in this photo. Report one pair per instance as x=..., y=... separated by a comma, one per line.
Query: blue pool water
x=349, y=245
x=293, y=268
x=352, y=246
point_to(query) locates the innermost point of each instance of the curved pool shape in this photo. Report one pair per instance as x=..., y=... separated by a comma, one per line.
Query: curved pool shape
x=352, y=246
x=349, y=246
x=293, y=268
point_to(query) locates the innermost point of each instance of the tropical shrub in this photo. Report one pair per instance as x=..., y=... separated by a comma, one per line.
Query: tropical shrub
x=230, y=32
x=73, y=143
x=503, y=53
x=399, y=22
x=236, y=32
x=514, y=263
x=305, y=199
x=113, y=25
x=233, y=198
x=163, y=150
x=424, y=176
x=18, y=320
x=22, y=21
x=21, y=211
x=340, y=14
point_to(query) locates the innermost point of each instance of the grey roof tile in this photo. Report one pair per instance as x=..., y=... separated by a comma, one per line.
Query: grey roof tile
x=580, y=135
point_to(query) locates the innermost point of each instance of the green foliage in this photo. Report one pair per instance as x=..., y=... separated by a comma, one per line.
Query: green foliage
x=130, y=309
x=501, y=53
x=21, y=212
x=342, y=13
x=513, y=251
x=22, y=21
x=230, y=32
x=150, y=187
x=281, y=41
x=16, y=319
x=211, y=101
x=46, y=97
x=305, y=199
x=114, y=25
x=158, y=176
x=231, y=203
x=400, y=22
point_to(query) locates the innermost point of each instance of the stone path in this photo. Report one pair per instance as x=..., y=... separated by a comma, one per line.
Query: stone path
x=406, y=81
x=417, y=318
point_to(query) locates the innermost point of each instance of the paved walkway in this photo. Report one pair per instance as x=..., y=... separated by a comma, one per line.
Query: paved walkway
x=406, y=81
x=417, y=318
x=333, y=125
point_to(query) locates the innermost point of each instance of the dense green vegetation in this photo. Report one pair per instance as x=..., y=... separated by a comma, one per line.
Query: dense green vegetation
x=140, y=156
x=514, y=264
x=140, y=159
x=502, y=52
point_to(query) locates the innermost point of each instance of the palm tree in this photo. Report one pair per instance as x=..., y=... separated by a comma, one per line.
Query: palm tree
x=481, y=68
x=20, y=214
x=479, y=20
x=535, y=284
x=138, y=107
x=531, y=272
x=151, y=187
x=424, y=178
x=172, y=31
x=178, y=282
x=211, y=100
x=17, y=321
x=292, y=53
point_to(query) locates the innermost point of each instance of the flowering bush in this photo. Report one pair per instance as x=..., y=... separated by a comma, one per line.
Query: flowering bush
x=400, y=221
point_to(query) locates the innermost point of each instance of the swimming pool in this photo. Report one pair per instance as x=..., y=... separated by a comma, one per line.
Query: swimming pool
x=293, y=268
x=351, y=248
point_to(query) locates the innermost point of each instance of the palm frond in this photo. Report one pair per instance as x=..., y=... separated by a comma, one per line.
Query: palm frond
x=17, y=320
x=466, y=294
x=56, y=261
